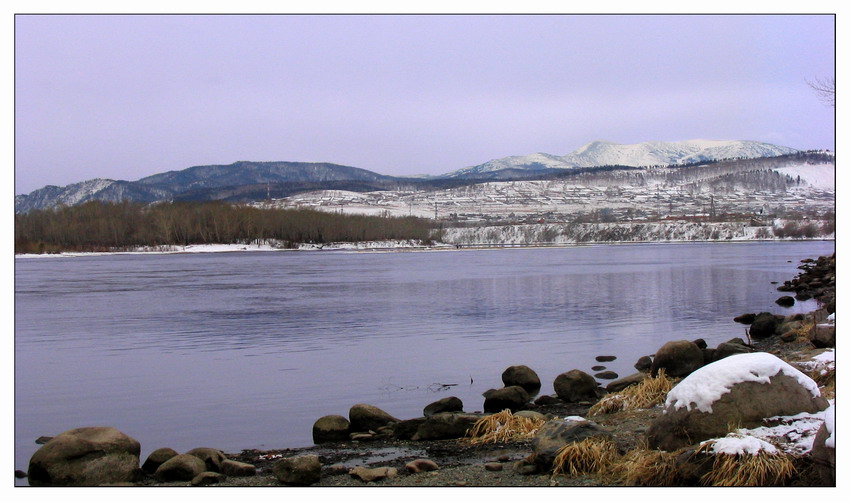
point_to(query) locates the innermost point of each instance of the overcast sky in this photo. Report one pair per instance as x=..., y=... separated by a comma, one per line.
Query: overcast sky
x=124, y=97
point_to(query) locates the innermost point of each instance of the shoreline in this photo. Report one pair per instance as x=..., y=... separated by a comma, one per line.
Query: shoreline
x=380, y=247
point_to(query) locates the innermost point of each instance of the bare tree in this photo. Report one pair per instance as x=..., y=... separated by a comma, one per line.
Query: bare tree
x=825, y=89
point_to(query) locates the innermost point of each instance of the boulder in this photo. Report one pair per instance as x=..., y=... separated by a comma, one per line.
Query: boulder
x=374, y=474
x=699, y=342
x=406, y=429
x=87, y=456
x=737, y=391
x=727, y=349
x=303, y=470
x=606, y=375
x=446, y=426
x=644, y=364
x=604, y=359
x=212, y=458
x=157, y=458
x=183, y=467
x=763, y=326
x=547, y=400
x=531, y=414
x=823, y=450
x=557, y=433
x=522, y=376
x=678, y=358
x=785, y=301
x=207, y=478
x=575, y=386
x=745, y=318
x=365, y=417
x=628, y=381
x=331, y=428
x=237, y=469
x=823, y=335
x=513, y=398
x=421, y=465
x=787, y=326
x=446, y=404
x=597, y=368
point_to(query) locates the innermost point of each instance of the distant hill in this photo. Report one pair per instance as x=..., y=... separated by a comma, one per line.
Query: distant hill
x=654, y=153
x=194, y=180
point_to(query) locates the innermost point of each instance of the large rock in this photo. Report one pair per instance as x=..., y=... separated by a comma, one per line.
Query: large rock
x=576, y=385
x=88, y=456
x=522, y=376
x=644, y=364
x=237, y=469
x=331, y=428
x=302, y=470
x=365, y=417
x=180, y=468
x=512, y=398
x=447, y=404
x=729, y=348
x=763, y=326
x=678, y=358
x=627, y=381
x=446, y=426
x=557, y=433
x=373, y=474
x=406, y=429
x=738, y=391
x=823, y=335
x=212, y=458
x=157, y=458
x=823, y=450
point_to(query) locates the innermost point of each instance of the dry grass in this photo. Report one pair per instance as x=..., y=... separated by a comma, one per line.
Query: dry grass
x=646, y=394
x=763, y=469
x=590, y=456
x=643, y=467
x=503, y=427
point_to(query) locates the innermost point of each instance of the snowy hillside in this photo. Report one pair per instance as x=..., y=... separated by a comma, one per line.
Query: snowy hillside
x=654, y=153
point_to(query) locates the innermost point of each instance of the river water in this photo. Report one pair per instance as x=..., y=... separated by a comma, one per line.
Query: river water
x=247, y=350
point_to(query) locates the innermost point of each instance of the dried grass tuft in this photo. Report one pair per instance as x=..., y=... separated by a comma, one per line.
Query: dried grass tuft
x=761, y=469
x=590, y=456
x=503, y=427
x=645, y=467
x=646, y=394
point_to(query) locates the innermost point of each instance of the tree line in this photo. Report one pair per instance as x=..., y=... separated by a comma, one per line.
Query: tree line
x=104, y=226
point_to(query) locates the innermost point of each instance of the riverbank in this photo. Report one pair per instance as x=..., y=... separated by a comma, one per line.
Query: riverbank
x=462, y=462
x=380, y=246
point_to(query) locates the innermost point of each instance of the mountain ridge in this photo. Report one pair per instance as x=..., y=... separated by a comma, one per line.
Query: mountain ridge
x=601, y=153
x=215, y=181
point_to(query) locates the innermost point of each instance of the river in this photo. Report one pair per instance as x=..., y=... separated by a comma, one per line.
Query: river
x=247, y=350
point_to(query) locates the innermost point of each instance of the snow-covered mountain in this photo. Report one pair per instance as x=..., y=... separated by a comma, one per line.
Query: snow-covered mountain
x=606, y=153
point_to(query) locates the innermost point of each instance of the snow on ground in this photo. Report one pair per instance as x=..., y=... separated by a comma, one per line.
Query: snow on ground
x=822, y=363
x=817, y=176
x=794, y=435
x=708, y=384
x=734, y=444
x=268, y=246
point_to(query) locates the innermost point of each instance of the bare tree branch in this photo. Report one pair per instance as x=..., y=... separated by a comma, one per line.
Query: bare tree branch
x=825, y=89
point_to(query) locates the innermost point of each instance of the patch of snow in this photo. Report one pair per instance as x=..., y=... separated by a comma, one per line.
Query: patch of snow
x=831, y=317
x=706, y=385
x=817, y=176
x=829, y=420
x=734, y=444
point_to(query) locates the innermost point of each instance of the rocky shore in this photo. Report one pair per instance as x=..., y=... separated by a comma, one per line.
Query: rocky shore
x=668, y=424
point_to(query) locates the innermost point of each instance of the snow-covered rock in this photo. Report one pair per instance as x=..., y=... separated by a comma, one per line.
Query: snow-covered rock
x=743, y=389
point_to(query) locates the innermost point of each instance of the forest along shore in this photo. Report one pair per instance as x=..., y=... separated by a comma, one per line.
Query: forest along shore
x=777, y=386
